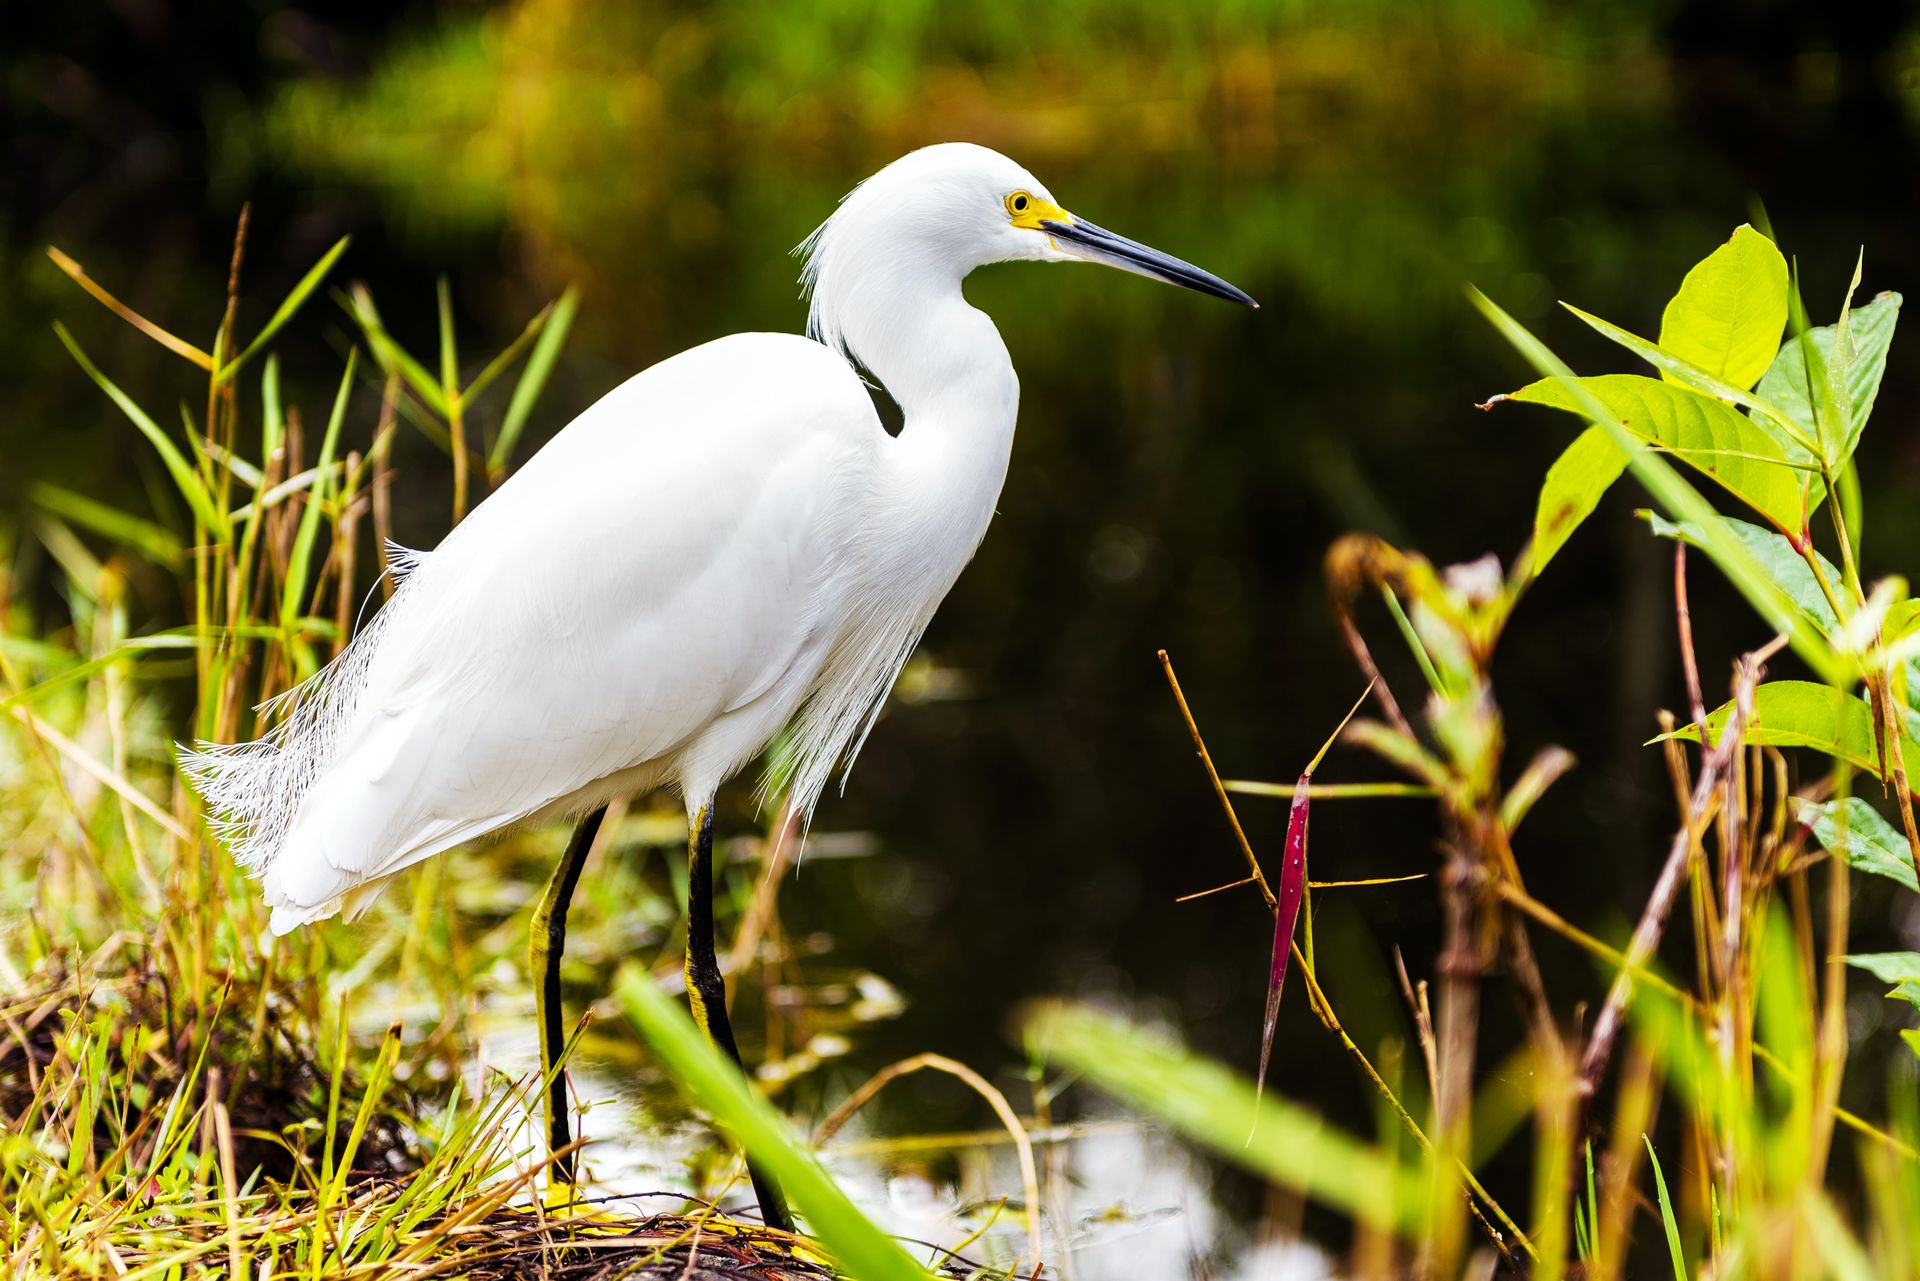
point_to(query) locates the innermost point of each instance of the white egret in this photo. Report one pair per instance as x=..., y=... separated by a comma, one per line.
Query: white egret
x=727, y=544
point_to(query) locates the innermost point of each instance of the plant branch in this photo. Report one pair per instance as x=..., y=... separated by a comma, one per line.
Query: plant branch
x=1653, y=919
x=1219, y=788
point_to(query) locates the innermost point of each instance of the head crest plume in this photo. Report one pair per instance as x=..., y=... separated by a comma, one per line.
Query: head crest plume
x=933, y=212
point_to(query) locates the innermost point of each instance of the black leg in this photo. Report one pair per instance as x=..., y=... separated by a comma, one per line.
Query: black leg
x=545, y=946
x=707, y=992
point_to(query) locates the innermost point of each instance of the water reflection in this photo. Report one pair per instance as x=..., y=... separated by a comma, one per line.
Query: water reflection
x=1122, y=1200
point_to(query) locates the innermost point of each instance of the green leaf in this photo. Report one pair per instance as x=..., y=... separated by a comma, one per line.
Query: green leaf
x=1870, y=333
x=1805, y=714
x=855, y=1244
x=1216, y=1107
x=1675, y=1255
x=1730, y=310
x=1856, y=832
x=1713, y=437
x=533, y=379
x=1796, y=444
x=1673, y=492
x=284, y=313
x=1575, y=483
x=1888, y=967
x=1902, y=969
x=1787, y=568
x=185, y=478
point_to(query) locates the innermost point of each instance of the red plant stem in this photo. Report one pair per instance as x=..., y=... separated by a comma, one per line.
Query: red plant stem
x=1683, y=618
x=1460, y=966
x=1293, y=881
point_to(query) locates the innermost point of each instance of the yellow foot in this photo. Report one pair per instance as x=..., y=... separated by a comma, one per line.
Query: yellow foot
x=560, y=1197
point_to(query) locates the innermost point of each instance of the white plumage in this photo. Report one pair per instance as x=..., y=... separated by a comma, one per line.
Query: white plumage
x=726, y=544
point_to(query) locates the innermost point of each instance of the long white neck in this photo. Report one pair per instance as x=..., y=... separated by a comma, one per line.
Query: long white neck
x=944, y=363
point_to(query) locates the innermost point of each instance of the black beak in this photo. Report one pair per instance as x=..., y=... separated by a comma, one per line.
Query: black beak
x=1097, y=244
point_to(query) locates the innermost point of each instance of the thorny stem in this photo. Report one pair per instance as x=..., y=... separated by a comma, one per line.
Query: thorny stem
x=1422, y=1016
x=1889, y=724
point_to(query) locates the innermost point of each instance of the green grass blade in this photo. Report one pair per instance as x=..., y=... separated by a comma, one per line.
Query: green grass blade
x=1216, y=1107
x=449, y=356
x=273, y=423
x=1674, y=1252
x=1589, y=1212
x=508, y=354
x=293, y=599
x=533, y=379
x=185, y=478
x=1412, y=638
x=861, y=1249
x=288, y=306
x=369, y=1105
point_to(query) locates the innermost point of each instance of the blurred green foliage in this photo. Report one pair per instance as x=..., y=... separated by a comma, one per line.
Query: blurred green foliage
x=632, y=146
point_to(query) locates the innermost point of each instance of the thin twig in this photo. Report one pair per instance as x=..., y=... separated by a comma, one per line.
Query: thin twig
x=1322, y=1007
x=1327, y=791
x=1653, y=919
x=1422, y=1014
x=1219, y=788
x=1652, y=978
x=1683, y=617
x=1029, y=1172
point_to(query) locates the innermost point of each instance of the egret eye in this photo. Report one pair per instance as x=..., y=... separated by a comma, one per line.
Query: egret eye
x=1019, y=202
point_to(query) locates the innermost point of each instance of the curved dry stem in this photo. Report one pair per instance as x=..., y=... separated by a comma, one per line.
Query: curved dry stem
x=1029, y=1171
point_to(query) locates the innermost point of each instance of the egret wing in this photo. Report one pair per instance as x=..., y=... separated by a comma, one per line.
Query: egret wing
x=671, y=559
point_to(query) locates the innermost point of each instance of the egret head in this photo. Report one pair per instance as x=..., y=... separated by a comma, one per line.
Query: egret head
x=935, y=214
